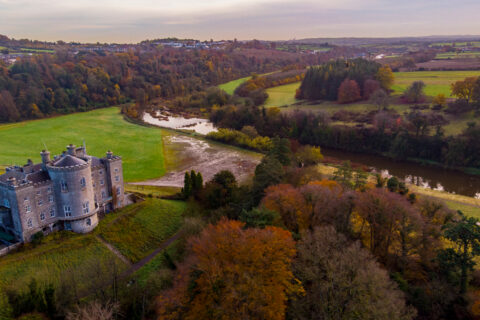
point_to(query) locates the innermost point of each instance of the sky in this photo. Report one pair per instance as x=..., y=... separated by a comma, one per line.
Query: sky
x=131, y=21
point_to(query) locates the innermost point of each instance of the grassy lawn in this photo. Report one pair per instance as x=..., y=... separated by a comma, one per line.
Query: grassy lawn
x=230, y=87
x=103, y=129
x=141, y=231
x=436, y=81
x=282, y=95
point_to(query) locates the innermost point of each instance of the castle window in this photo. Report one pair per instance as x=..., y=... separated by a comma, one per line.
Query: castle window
x=68, y=211
x=25, y=199
x=28, y=209
x=49, y=190
x=117, y=178
x=89, y=222
x=101, y=172
x=6, y=203
x=38, y=193
x=42, y=216
x=50, y=199
x=63, y=185
x=40, y=202
x=86, y=207
x=101, y=182
x=104, y=194
x=29, y=223
x=119, y=191
x=116, y=170
x=94, y=184
x=83, y=182
x=52, y=212
x=68, y=226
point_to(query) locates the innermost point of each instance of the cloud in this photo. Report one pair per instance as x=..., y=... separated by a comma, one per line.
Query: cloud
x=132, y=21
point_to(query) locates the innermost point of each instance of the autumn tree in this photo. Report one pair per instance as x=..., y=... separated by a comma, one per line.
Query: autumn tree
x=348, y=91
x=414, y=92
x=439, y=100
x=343, y=281
x=8, y=109
x=380, y=99
x=308, y=156
x=369, y=87
x=290, y=204
x=385, y=77
x=233, y=273
x=387, y=224
x=464, y=89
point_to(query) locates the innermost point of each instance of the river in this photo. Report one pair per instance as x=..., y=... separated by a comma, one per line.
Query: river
x=422, y=175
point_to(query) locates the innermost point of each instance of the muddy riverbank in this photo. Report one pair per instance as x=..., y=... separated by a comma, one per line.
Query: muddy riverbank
x=185, y=153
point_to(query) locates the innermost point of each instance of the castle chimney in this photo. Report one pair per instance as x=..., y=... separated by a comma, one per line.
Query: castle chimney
x=71, y=149
x=109, y=154
x=45, y=154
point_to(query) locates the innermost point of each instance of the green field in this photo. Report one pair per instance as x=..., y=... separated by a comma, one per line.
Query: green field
x=135, y=230
x=139, y=232
x=436, y=81
x=103, y=129
x=230, y=87
x=282, y=95
x=457, y=55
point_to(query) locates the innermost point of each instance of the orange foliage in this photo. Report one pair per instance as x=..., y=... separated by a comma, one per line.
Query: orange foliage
x=290, y=204
x=233, y=273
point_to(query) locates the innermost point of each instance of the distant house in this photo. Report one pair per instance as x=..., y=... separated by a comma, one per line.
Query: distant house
x=66, y=193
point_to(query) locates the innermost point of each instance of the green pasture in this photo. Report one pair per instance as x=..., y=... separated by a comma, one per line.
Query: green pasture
x=436, y=81
x=457, y=55
x=282, y=95
x=230, y=87
x=103, y=129
x=141, y=231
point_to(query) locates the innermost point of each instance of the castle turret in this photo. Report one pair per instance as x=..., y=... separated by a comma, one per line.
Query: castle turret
x=109, y=154
x=71, y=149
x=45, y=154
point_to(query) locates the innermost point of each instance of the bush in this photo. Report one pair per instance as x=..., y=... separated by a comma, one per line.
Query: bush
x=238, y=138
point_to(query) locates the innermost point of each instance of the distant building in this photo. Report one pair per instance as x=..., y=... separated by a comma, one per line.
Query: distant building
x=67, y=192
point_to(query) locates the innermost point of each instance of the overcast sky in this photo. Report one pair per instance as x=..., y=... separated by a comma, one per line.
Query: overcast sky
x=136, y=20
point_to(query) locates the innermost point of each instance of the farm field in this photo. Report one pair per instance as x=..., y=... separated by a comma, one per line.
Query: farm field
x=455, y=55
x=139, y=232
x=436, y=81
x=103, y=129
x=282, y=95
x=230, y=87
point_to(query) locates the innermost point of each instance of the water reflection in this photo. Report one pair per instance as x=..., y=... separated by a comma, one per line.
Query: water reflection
x=199, y=125
x=423, y=176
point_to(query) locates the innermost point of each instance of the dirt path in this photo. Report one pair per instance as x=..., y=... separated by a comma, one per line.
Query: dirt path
x=152, y=255
x=114, y=251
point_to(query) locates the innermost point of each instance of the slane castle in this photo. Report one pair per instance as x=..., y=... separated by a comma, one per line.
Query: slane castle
x=67, y=192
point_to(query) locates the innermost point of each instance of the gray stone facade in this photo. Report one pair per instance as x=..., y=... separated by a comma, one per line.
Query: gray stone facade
x=67, y=192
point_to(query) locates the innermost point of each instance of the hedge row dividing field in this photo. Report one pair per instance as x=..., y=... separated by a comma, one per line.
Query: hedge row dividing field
x=103, y=129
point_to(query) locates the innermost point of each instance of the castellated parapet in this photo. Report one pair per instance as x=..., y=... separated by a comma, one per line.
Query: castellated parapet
x=67, y=192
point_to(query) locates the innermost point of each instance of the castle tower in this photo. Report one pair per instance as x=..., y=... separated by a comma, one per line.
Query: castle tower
x=72, y=181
